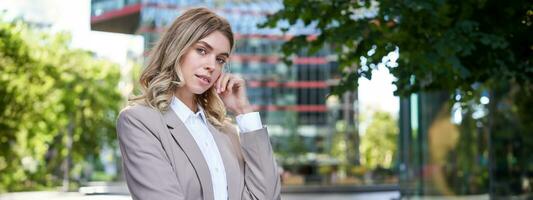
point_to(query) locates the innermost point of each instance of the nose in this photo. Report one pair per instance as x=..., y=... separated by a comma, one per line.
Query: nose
x=210, y=64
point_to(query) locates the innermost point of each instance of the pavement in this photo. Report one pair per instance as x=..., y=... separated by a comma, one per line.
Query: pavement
x=50, y=195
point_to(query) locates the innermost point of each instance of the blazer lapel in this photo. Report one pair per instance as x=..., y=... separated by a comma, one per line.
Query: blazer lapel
x=230, y=162
x=183, y=137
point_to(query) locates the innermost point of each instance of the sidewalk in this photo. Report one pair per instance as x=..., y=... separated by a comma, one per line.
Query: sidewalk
x=119, y=191
x=59, y=196
x=79, y=196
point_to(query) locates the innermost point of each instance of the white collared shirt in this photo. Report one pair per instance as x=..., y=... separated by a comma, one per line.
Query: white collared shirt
x=196, y=123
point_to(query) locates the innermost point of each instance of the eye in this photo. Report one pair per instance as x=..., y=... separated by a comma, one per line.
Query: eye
x=201, y=51
x=221, y=61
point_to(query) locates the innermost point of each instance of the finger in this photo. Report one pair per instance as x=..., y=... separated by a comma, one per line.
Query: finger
x=240, y=85
x=224, y=82
x=219, y=80
x=232, y=83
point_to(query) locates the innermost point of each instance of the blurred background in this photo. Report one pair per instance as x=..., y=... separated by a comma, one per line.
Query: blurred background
x=363, y=99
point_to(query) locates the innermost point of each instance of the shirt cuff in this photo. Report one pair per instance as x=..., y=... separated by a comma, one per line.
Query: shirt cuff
x=249, y=122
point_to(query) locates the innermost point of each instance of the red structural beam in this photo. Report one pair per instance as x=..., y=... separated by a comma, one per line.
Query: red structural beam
x=284, y=37
x=237, y=36
x=310, y=60
x=262, y=36
x=297, y=108
x=306, y=84
x=275, y=59
x=126, y=10
x=289, y=84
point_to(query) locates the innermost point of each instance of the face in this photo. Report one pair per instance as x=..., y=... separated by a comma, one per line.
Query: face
x=203, y=63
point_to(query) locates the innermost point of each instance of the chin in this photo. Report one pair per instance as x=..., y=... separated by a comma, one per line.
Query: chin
x=200, y=90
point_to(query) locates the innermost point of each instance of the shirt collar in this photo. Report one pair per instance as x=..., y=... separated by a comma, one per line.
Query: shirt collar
x=185, y=112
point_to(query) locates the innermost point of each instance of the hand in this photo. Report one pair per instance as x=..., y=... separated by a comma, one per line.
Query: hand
x=232, y=90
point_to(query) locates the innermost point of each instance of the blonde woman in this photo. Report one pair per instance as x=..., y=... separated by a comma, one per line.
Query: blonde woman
x=176, y=141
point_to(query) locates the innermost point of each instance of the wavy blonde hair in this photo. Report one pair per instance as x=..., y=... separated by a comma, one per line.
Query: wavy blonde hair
x=163, y=74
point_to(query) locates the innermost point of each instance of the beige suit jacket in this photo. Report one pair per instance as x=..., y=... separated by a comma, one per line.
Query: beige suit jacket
x=162, y=161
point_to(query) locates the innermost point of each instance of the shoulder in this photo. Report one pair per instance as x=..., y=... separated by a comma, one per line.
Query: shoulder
x=138, y=113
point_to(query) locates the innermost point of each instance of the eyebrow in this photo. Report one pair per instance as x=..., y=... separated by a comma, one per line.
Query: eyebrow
x=211, y=48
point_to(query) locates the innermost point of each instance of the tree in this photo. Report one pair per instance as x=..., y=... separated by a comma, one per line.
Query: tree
x=379, y=143
x=444, y=45
x=51, y=96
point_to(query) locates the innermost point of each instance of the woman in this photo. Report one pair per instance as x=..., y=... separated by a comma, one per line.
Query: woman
x=176, y=141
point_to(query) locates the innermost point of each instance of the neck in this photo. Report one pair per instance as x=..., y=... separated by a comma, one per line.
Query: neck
x=187, y=98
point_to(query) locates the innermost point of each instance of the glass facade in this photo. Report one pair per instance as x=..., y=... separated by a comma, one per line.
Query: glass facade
x=445, y=154
x=463, y=149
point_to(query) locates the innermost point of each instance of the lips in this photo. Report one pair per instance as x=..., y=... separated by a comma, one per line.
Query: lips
x=205, y=79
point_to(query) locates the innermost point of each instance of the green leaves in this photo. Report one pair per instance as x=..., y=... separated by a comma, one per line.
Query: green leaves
x=444, y=45
x=379, y=142
x=47, y=90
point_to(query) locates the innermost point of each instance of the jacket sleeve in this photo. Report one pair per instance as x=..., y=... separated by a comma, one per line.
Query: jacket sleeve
x=147, y=170
x=261, y=177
